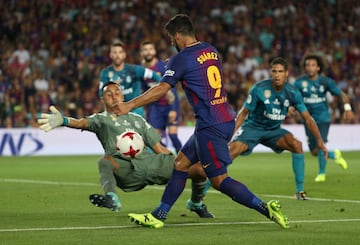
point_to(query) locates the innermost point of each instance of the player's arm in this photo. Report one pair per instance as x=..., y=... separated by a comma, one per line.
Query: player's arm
x=348, y=113
x=292, y=112
x=149, y=96
x=159, y=148
x=150, y=74
x=313, y=128
x=82, y=123
x=240, y=118
x=55, y=119
x=343, y=97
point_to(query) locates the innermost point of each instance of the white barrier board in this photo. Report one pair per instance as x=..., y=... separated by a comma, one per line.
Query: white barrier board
x=66, y=141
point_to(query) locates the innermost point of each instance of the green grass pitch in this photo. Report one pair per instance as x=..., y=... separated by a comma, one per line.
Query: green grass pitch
x=44, y=200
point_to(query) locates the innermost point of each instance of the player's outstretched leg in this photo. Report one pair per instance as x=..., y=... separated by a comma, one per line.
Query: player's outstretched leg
x=110, y=200
x=241, y=194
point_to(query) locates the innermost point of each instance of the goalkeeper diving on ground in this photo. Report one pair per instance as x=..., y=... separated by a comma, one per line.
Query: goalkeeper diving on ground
x=148, y=168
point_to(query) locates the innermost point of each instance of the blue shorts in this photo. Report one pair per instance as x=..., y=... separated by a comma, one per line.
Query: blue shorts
x=158, y=116
x=254, y=136
x=210, y=147
x=324, y=132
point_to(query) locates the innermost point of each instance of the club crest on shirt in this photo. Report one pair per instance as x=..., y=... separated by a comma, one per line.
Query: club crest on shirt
x=304, y=85
x=267, y=93
x=113, y=77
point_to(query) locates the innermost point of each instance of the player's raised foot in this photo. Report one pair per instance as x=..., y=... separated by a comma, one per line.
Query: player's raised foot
x=276, y=215
x=110, y=201
x=301, y=195
x=199, y=209
x=147, y=220
x=340, y=160
x=320, y=178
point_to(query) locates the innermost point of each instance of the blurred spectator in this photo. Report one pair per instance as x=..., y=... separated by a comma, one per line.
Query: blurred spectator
x=67, y=42
x=20, y=57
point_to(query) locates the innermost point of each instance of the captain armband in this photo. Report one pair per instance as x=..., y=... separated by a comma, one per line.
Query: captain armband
x=347, y=107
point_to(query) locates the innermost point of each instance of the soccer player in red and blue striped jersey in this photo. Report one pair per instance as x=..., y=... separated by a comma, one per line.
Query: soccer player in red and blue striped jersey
x=198, y=67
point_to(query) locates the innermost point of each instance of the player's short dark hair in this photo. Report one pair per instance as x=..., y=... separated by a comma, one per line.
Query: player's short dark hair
x=118, y=43
x=312, y=56
x=146, y=42
x=180, y=23
x=280, y=61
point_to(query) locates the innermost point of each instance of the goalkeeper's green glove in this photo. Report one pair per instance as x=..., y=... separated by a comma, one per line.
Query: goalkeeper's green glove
x=50, y=121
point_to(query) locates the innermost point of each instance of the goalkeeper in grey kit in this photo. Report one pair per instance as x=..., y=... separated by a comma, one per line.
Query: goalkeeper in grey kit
x=128, y=174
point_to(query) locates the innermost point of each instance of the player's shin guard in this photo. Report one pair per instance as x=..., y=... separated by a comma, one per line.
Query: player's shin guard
x=298, y=164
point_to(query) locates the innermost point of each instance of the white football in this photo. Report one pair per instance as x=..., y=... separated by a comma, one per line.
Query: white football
x=129, y=144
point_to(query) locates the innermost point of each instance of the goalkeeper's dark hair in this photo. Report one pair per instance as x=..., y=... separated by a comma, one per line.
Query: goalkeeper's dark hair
x=180, y=23
x=280, y=61
x=107, y=84
x=312, y=56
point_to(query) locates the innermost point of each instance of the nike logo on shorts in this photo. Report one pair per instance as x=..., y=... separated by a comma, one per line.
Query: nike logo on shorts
x=206, y=165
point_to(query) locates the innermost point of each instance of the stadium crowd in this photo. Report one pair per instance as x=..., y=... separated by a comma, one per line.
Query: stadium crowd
x=52, y=51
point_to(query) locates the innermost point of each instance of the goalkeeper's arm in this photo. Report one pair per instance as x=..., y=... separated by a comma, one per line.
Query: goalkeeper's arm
x=55, y=119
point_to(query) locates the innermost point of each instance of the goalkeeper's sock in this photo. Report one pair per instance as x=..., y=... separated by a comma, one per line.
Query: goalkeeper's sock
x=298, y=164
x=322, y=162
x=172, y=192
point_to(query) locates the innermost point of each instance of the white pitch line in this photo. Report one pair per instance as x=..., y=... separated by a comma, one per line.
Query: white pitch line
x=315, y=199
x=172, y=225
x=44, y=182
